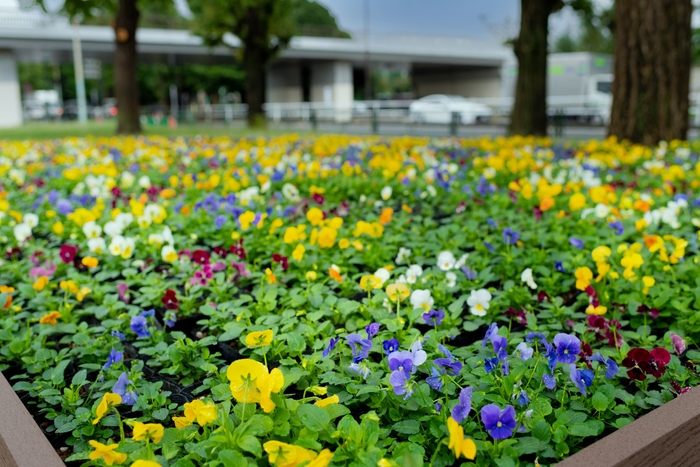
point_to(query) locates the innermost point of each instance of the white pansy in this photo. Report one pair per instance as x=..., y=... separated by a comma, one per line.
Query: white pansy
x=152, y=212
x=143, y=222
x=127, y=180
x=156, y=239
x=478, y=302
x=413, y=273
x=526, y=277
x=461, y=261
x=291, y=192
x=386, y=192
x=422, y=299
x=403, y=255
x=22, y=232
x=446, y=260
x=92, y=230
x=168, y=236
x=401, y=279
x=168, y=254
x=124, y=219
x=382, y=274
x=129, y=247
x=97, y=245
x=113, y=229
x=117, y=245
x=31, y=219
x=601, y=211
x=450, y=279
x=145, y=182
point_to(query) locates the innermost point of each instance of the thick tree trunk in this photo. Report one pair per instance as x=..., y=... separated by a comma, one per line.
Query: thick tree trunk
x=125, y=84
x=529, y=115
x=254, y=62
x=652, y=70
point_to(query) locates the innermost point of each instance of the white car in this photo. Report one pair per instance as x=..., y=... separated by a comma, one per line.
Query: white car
x=440, y=108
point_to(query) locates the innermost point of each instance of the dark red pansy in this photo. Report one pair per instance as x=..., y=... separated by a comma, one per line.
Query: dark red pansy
x=653, y=313
x=170, y=300
x=116, y=192
x=537, y=212
x=660, y=357
x=13, y=253
x=542, y=296
x=220, y=251
x=597, y=322
x=67, y=253
x=519, y=315
x=637, y=362
x=318, y=199
x=586, y=351
x=200, y=256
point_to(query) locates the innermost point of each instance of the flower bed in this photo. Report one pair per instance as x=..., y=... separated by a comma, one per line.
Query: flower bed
x=345, y=301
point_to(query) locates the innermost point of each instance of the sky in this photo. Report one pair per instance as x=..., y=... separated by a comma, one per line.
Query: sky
x=488, y=19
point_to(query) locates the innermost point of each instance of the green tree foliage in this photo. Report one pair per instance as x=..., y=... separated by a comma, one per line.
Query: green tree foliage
x=264, y=28
x=596, y=35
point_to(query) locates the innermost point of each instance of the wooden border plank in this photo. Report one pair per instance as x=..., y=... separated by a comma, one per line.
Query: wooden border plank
x=669, y=436
x=22, y=444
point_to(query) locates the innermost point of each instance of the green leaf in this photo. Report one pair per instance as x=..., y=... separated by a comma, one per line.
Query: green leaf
x=250, y=444
x=600, y=402
x=313, y=417
x=79, y=377
x=407, y=427
x=231, y=458
x=529, y=445
x=542, y=431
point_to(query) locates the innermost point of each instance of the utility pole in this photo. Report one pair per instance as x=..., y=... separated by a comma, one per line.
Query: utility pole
x=79, y=73
x=368, y=71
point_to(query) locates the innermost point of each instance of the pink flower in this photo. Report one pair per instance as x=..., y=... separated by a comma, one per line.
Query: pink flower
x=121, y=289
x=679, y=344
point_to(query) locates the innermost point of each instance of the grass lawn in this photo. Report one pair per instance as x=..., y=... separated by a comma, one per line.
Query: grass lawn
x=49, y=130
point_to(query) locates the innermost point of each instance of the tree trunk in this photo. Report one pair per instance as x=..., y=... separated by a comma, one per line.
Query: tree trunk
x=125, y=84
x=652, y=70
x=529, y=115
x=254, y=62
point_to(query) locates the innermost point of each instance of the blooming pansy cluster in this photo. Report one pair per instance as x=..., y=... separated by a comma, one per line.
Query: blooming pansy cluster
x=342, y=300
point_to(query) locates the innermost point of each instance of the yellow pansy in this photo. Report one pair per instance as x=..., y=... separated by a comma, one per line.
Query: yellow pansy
x=583, y=277
x=370, y=282
x=298, y=253
x=460, y=445
x=151, y=431
x=334, y=399
x=145, y=463
x=315, y=216
x=106, y=453
x=202, y=413
x=398, y=292
x=250, y=382
x=596, y=310
x=90, y=262
x=648, y=283
x=259, y=338
x=108, y=401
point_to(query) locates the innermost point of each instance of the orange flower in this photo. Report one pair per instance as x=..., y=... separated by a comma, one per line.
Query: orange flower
x=547, y=204
x=50, y=318
x=334, y=272
x=385, y=217
x=40, y=283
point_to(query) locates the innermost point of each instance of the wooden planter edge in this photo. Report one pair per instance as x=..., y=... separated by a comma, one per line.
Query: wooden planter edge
x=668, y=436
x=22, y=444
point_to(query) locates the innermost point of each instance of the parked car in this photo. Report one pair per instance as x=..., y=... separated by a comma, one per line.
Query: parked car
x=442, y=108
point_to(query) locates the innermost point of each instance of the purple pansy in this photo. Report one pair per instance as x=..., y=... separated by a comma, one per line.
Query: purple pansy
x=114, y=356
x=510, y=236
x=499, y=423
x=581, y=378
x=576, y=243
x=462, y=409
x=434, y=317
x=610, y=365
x=568, y=347
x=360, y=347
x=372, y=330
x=330, y=347
x=139, y=325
